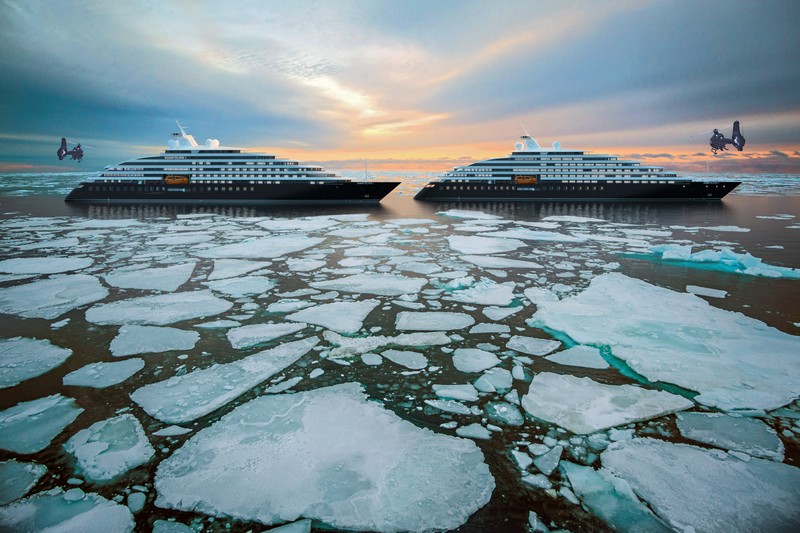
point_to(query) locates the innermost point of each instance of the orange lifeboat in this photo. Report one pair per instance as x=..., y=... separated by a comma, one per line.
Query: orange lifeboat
x=176, y=180
x=526, y=180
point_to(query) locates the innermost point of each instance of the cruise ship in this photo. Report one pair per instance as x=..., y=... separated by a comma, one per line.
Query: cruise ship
x=532, y=173
x=188, y=173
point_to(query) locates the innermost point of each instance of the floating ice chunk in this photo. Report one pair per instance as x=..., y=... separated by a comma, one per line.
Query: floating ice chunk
x=132, y=340
x=569, y=218
x=110, y=447
x=185, y=238
x=708, y=490
x=583, y=406
x=71, y=511
x=22, y=358
x=735, y=229
x=411, y=360
x=747, y=435
x=172, y=431
x=244, y=286
x=182, y=399
x=537, y=295
x=489, y=328
x=489, y=261
x=474, y=245
x=499, y=313
x=52, y=297
x=247, y=336
x=218, y=324
x=283, y=386
x=159, y=310
x=449, y=406
x=373, y=283
x=298, y=224
x=486, y=292
x=548, y=461
x=365, y=474
x=679, y=338
x=465, y=393
x=287, y=306
x=69, y=242
x=583, y=356
x=474, y=431
x=611, y=499
x=474, y=360
x=373, y=251
x=371, y=359
x=304, y=265
x=16, y=479
x=535, y=235
x=102, y=375
x=232, y=268
x=494, y=380
x=341, y=317
x=44, y=265
x=28, y=427
x=301, y=526
x=504, y=413
x=165, y=279
x=97, y=223
x=261, y=247
x=674, y=252
x=704, y=291
x=532, y=345
x=432, y=321
x=354, y=346
x=464, y=213
x=420, y=267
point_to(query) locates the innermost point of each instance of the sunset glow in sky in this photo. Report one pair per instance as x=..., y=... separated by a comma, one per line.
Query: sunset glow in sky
x=405, y=85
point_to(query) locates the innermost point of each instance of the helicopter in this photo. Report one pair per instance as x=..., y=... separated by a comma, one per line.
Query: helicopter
x=719, y=142
x=76, y=153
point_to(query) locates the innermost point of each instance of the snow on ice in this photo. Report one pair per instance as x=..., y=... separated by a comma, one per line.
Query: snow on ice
x=52, y=297
x=158, y=310
x=73, y=510
x=475, y=245
x=16, y=479
x=532, y=345
x=474, y=360
x=133, y=340
x=486, y=292
x=101, y=375
x=432, y=321
x=260, y=247
x=741, y=434
x=355, y=346
x=247, y=336
x=341, y=317
x=28, y=427
x=22, y=358
x=373, y=283
x=166, y=279
x=44, y=265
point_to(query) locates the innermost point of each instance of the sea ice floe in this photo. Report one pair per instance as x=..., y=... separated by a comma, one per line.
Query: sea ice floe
x=28, y=427
x=725, y=260
x=177, y=240
x=486, y=292
x=490, y=261
x=373, y=283
x=158, y=310
x=261, y=247
x=304, y=265
x=181, y=399
x=166, y=279
x=298, y=224
x=133, y=340
x=489, y=328
x=329, y=455
x=708, y=490
x=494, y=380
x=535, y=235
x=23, y=358
x=101, y=375
x=741, y=434
x=244, y=286
x=52, y=297
x=679, y=338
x=504, y=413
x=232, y=268
x=474, y=360
x=583, y=356
x=582, y=405
x=16, y=479
x=408, y=359
x=247, y=336
x=44, y=265
x=341, y=317
x=449, y=406
x=110, y=447
x=499, y=313
x=432, y=321
x=70, y=511
x=475, y=245
x=474, y=431
x=705, y=291
x=464, y=393
x=288, y=306
x=532, y=345
x=355, y=346
x=464, y=213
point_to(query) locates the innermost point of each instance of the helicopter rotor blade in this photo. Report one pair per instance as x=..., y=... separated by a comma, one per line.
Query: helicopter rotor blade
x=82, y=145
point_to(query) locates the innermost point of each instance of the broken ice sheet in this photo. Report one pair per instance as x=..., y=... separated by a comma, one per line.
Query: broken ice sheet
x=432, y=321
x=741, y=434
x=242, y=286
x=247, y=336
x=132, y=340
x=341, y=317
x=361, y=345
x=532, y=345
x=181, y=399
x=16, y=479
x=583, y=356
x=408, y=359
x=486, y=292
x=165, y=279
x=52, y=297
x=232, y=268
x=373, y=283
x=329, y=455
x=28, y=427
x=583, y=406
x=101, y=375
x=22, y=358
x=158, y=310
x=475, y=245
x=261, y=247
x=44, y=265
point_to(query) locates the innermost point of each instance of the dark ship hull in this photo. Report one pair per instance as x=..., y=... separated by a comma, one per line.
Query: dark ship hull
x=556, y=190
x=274, y=193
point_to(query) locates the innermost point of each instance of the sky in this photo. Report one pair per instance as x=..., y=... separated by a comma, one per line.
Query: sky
x=401, y=85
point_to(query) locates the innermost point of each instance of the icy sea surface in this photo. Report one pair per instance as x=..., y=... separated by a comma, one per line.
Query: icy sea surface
x=402, y=367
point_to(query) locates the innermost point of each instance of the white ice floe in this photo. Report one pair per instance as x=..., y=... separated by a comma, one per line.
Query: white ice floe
x=28, y=427
x=16, y=479
x=449, y=406
x=432, y=321
x=373, y=283
x=298, y=224
x=504, y=413
x=23, y=358
x=548, y=461
x=244, y=286
x=741, y=434
x=474, y=431
x=232, y=268
x=475, y=245
x=110, y=447
x=261, y=247
x=575, y=219
x=705, y=291
x=371, y=359
x=44, y=265
x=526, y=234
x=532, y=345
x=583, y=356
x=612, y=499
x=499, y=313
x=288, y=306
x=102, y=375
x=486, y=292
x=67, y=242
x=373, y=251
x=582, y=405
x=490, y=261
x=489, y=328
x=725, y=260
x=133, y=340
x=52, y=297
x=355, y=346
x=166, y=279
x=464, y=393
x=329, y=455
x=679, y=338
x=182, y=239
x=181, y=399
x=304, y=265
x=341, y=317
x=408, y=359
x=464, y=213
x=474, y=360
x=70, y=511
x=172, y=431
x=159, y=310
x=708, y=490
x=494, y=380
x=247, y=336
